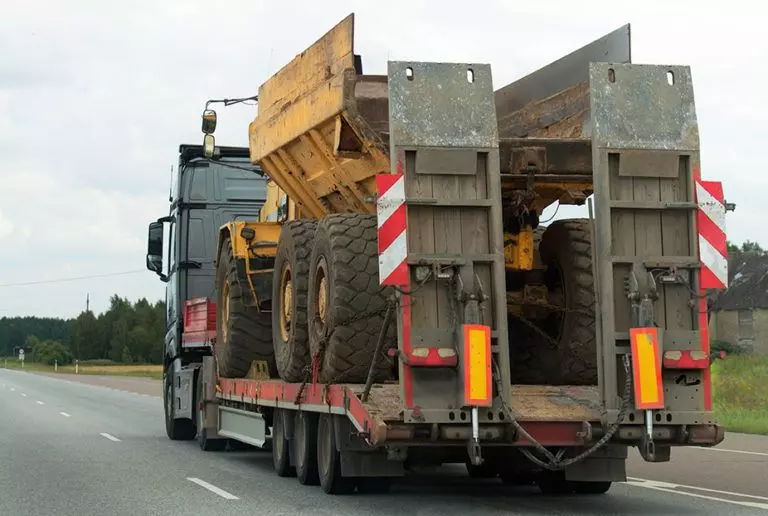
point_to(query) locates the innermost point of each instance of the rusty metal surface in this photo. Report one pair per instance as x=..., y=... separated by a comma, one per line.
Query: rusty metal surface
x=555, y=403
x=623, y=95
x=645, y=147
x=451, y=111
x=564, y=74
x=529, y=402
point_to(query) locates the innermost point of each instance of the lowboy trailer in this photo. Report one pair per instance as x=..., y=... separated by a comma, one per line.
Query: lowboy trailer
x=418, y=312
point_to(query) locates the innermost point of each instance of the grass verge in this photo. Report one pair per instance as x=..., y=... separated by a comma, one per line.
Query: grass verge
x=140, y=370
x=739, y=393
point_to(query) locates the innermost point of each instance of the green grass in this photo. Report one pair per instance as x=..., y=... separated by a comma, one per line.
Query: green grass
x=92, y=367
x=740, y=394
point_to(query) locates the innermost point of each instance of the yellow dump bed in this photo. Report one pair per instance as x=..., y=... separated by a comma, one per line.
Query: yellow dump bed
x=321, y=132
x=321, y=128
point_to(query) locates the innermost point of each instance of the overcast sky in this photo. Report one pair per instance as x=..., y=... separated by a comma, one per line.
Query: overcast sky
x=95, y=97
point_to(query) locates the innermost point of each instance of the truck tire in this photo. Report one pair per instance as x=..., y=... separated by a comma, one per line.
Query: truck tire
x=329, y=459
x=566, y=249
x=344, y=286
x=175, y=429
x=243, y=334
x=289, y=299
x=305, y=442
x=281, y=446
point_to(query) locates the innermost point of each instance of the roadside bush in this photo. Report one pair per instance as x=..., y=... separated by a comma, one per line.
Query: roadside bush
x=51, y=351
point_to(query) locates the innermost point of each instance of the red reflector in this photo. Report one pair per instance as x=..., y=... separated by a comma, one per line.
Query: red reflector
x=433, y=357
x=685, y=359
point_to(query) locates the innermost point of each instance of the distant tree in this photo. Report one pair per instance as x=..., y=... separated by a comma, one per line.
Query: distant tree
x=751, y=247
x=136, y=327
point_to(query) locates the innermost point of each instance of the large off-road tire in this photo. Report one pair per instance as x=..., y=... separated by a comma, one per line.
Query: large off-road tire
x=566, y=249
x=567, y=355
x=289, y=299
x=243, y=334
x=343, y=284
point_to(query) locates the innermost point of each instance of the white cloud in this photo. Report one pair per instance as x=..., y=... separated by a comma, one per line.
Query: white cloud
x=95, y=98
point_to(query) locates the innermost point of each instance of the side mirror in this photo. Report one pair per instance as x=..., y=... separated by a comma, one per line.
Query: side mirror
x=155, y=249
x=209, y=121
x=209, y=146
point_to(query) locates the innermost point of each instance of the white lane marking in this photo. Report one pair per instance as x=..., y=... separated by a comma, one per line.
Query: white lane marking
x=732, y=451
x=40, y=402
x=23, y=394
x=110, y=437
x=213, y=489
x=65, y=414
x=672, y=488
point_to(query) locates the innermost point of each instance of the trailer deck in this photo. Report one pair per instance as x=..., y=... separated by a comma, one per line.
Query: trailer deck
x=553, y=415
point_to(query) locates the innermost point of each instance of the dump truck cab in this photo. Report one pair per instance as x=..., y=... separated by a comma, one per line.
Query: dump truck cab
x=181, y=248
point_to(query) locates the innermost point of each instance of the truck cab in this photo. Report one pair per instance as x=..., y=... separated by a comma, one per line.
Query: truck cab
x=181, y=249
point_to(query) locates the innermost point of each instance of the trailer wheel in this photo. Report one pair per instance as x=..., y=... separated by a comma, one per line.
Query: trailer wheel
x=243, y=333
x=566, y=248
x=205, y=443
x=289, y=299
x=176, y=429
x=329, y=460
x=281, y=447
x=305, y=443
x=343, y=285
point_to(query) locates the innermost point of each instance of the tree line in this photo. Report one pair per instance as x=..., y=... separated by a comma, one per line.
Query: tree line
x=126, y=332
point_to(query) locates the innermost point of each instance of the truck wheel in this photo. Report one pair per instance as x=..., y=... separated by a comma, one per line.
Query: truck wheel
x=329, y=460
x=281, y=447
x=344, y=284
x=243, y=333
x=176, y=429
x=566, y=248
x=289, y=299
x=305, y=442
x=591, y=488
x=205, y=443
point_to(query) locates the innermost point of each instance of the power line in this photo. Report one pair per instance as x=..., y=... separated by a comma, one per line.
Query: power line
x=76, y=278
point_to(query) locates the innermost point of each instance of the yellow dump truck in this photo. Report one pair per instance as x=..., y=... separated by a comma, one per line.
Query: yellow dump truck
x=399, y=299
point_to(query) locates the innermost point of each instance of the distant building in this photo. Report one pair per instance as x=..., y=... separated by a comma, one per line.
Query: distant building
x=739, y=315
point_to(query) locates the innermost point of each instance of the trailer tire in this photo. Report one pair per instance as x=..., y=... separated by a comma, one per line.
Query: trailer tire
x=344, y=285
x=243, y=333
x=305, y=447
x=175, y=429
x=329, y=459
x=566, y=248
x=281, y=447
x=289, y=299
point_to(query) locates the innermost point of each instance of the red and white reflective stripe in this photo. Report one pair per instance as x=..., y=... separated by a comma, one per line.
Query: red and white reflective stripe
x=710, y=221
x=393, y=246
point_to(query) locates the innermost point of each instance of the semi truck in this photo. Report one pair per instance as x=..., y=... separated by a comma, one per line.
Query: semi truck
x=399, y=301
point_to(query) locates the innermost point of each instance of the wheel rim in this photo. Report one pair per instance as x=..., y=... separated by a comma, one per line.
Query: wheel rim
x=321, y=293
x=225, y=312
x=286, y=303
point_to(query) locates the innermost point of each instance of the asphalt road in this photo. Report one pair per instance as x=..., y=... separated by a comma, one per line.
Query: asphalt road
x=79, y=448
